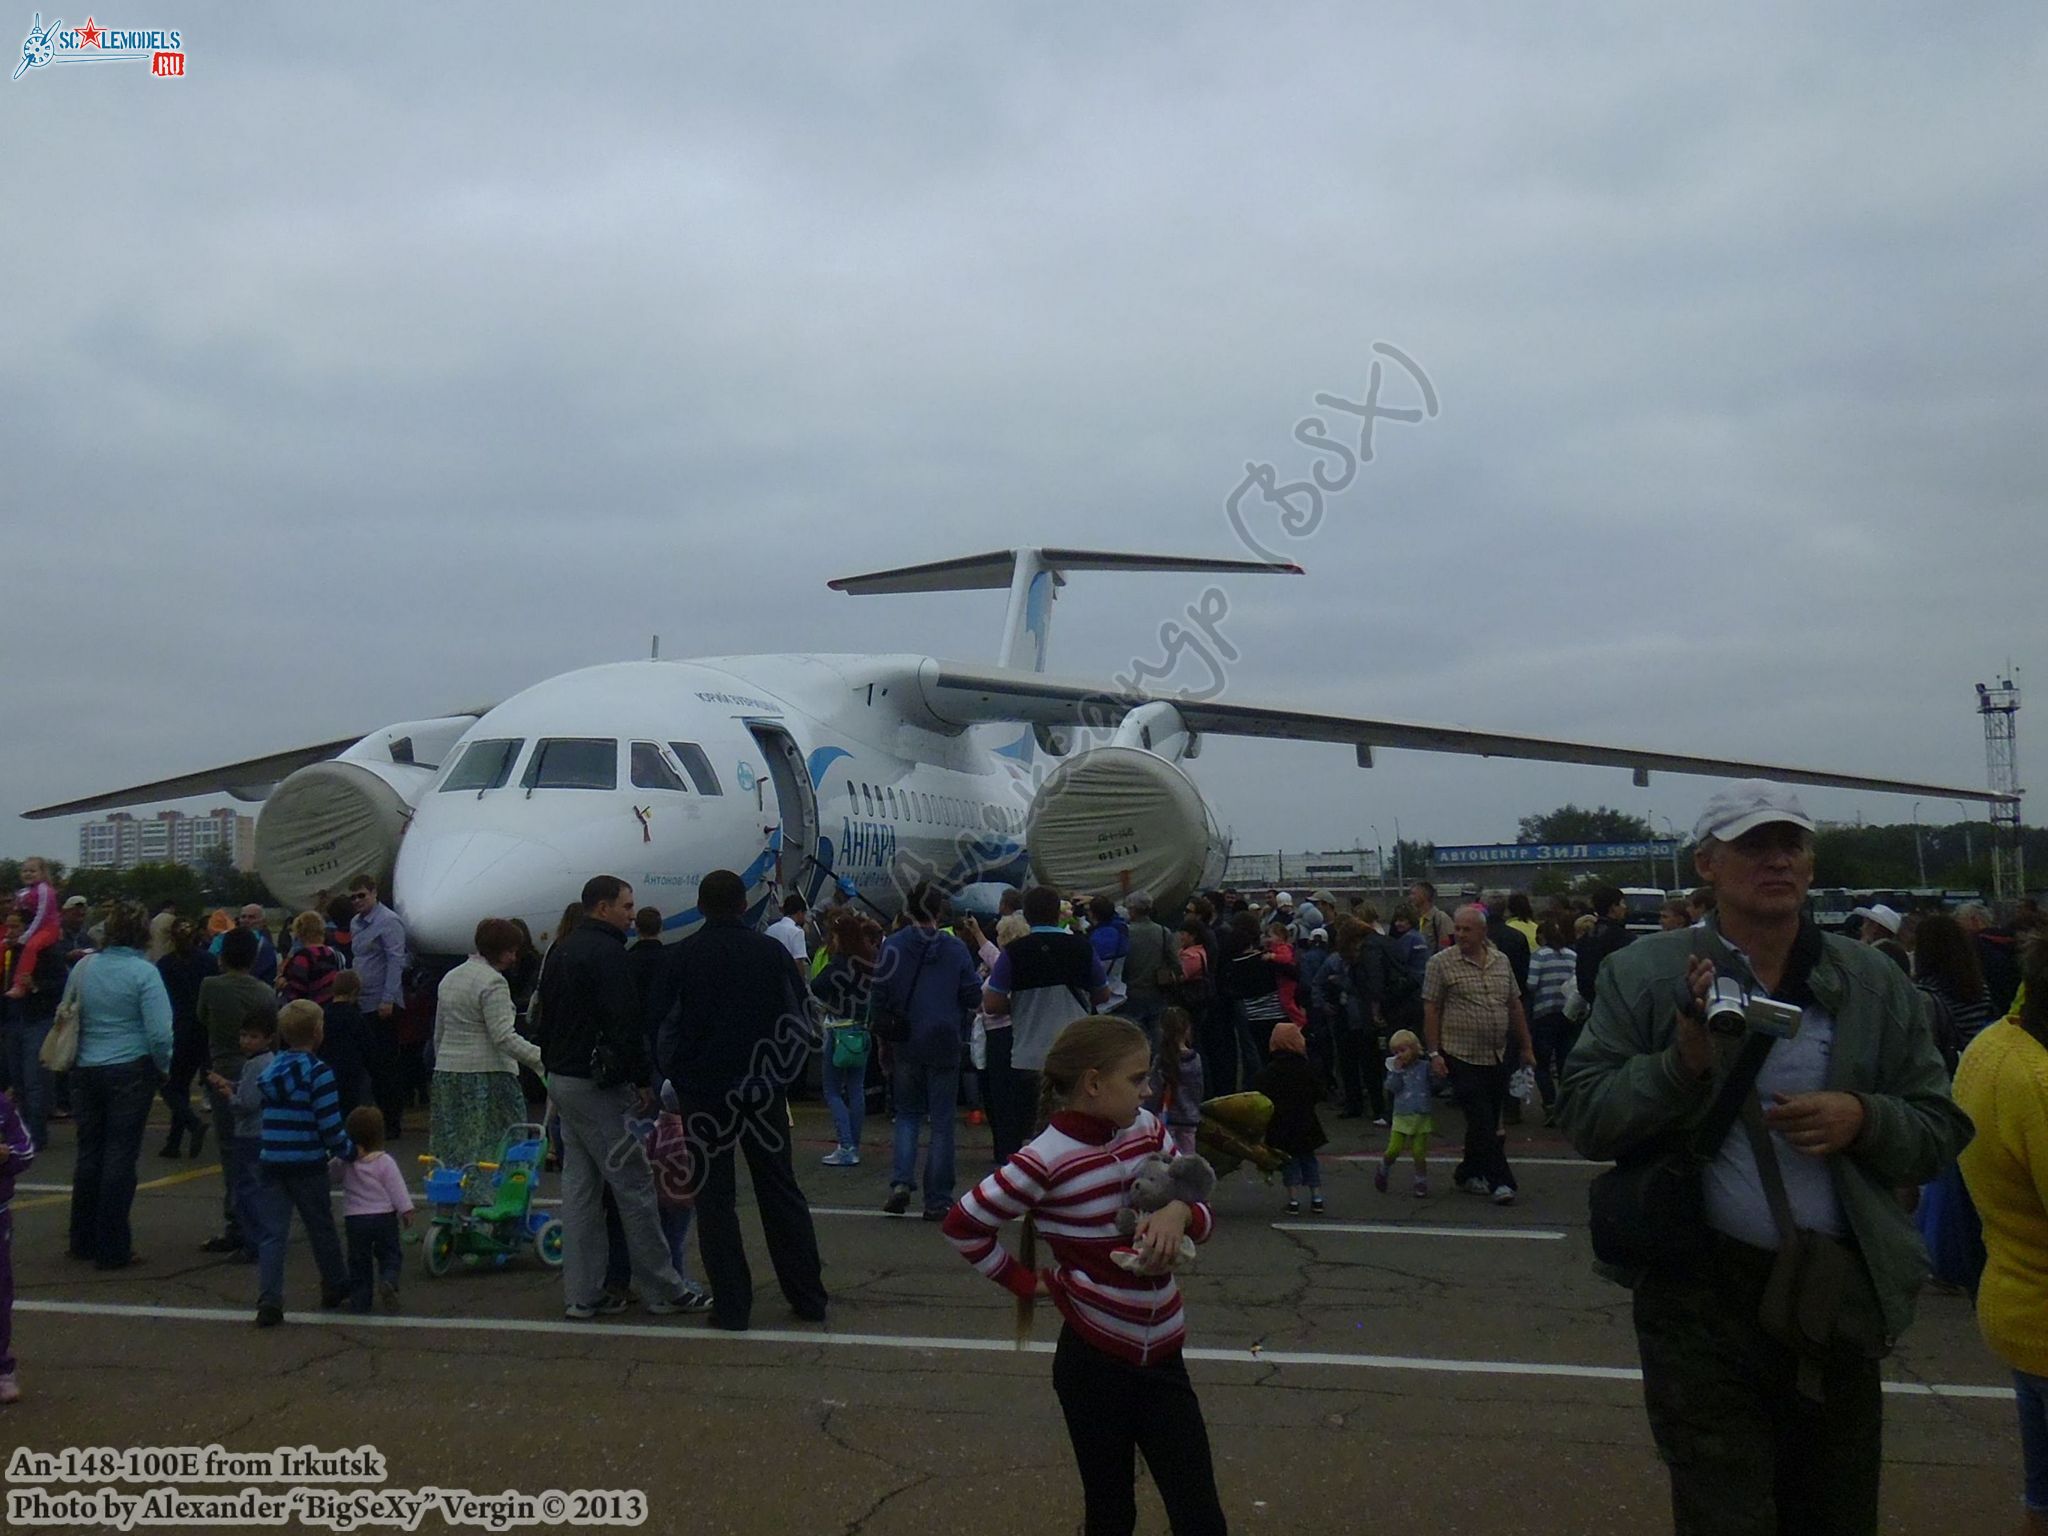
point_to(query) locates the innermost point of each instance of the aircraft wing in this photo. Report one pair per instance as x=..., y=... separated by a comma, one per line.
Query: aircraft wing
x=229, y=777
x=971, y=695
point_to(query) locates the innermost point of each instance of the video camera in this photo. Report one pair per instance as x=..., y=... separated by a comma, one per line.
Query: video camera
x=1732, y=1010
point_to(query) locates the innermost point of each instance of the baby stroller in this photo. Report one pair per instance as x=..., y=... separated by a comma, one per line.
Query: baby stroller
x=498, y=1229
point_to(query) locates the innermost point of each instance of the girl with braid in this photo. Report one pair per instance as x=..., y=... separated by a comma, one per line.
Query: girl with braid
x=1118, y=1372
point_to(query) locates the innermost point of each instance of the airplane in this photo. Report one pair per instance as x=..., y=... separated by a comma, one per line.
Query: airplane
x=853, y=774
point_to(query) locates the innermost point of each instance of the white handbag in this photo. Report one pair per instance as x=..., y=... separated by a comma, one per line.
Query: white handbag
x=60, y=1045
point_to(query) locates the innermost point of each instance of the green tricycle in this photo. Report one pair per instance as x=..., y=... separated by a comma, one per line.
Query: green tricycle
x=492, y=1232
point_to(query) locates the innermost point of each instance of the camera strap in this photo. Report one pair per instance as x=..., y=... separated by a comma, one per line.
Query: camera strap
x=1713, y=1127
x=1729, y=1099
x=1803, y=1296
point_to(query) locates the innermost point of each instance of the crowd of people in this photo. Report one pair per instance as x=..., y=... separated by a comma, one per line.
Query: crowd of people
x=656, y=1067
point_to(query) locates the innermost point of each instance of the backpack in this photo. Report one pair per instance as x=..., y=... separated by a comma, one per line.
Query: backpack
x=311, y=972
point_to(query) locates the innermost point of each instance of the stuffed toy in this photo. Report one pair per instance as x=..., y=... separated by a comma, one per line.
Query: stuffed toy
x=1233, y=1133
x=1159, y=1182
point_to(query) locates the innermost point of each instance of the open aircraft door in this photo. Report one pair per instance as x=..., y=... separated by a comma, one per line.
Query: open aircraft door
x=796, y=863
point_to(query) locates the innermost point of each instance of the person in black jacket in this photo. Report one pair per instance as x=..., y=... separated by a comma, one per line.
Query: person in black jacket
x=593, y=1043
x=1610, y=933
x=1294, y=1131
x=736, y=1034
x=647, y=958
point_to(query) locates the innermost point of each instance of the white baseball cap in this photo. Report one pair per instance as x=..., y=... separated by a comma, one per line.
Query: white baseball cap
x=1746, y=805
x=1881, y=915
x=1282, y=899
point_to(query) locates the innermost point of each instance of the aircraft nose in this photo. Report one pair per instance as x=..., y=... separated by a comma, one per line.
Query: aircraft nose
x=448, y=882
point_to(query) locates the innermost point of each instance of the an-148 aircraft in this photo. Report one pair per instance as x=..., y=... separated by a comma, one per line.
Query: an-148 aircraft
x=801, y=771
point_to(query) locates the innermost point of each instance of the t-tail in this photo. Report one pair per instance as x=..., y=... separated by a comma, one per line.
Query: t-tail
x=1034, y=577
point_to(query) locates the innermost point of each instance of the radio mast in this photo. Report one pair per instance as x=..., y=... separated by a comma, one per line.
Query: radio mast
x=2000, y=707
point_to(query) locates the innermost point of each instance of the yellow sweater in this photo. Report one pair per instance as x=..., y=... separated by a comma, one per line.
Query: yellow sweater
x=2002, y=1085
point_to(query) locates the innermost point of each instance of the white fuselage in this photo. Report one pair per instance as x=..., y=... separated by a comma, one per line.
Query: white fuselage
x=794, y=771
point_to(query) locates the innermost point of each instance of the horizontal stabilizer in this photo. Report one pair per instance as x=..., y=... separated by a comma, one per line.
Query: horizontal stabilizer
x=996, y=569
x=1034, y=577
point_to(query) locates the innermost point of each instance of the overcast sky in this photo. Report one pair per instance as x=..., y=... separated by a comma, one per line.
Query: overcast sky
x=393, y=360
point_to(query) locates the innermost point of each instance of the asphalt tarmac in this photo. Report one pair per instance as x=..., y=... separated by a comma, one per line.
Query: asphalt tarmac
x=1451, y=1368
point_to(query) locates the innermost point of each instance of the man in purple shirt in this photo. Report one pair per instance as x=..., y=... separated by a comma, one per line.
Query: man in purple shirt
x=377, y=956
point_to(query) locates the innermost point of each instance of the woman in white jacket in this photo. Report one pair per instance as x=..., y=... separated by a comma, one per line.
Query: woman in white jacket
x=478, y=1052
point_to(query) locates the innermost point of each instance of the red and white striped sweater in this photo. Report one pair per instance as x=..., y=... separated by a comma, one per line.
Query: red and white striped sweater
x=1073, y=1177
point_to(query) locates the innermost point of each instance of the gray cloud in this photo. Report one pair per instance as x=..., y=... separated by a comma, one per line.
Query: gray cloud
x=380, y=367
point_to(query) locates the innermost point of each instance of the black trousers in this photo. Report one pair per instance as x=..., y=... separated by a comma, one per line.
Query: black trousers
x=387, y=1070
x=1012, y=1099
x=1748, y=1455
x=1481, y=1090
x=1361, y=1069
x=720, y=1132
x=1114, y=1408
x=372, y=1256
x=188, y=1055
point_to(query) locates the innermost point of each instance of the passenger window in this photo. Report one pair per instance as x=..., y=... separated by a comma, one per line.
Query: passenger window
x=650, y=770
x=852, y=799
x=484, y=765
x=867, y=797
x=574, y=762
x=697, y=766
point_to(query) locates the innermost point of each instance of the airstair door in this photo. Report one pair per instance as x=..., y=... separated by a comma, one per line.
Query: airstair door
x=796, y=803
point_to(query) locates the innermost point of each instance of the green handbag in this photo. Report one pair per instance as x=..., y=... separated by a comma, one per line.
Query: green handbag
x=851, y=1043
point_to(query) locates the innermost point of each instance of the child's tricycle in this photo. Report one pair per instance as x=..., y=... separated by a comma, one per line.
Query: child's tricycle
x=500, y=1228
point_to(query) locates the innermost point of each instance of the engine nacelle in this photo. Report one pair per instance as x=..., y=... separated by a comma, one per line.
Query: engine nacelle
x=331, y=821
x=1115, y=821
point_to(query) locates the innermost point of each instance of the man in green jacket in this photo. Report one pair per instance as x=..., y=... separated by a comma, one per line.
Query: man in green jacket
x=1855, y=1102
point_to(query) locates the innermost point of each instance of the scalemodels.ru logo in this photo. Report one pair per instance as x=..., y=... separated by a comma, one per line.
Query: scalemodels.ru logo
x=164, y=51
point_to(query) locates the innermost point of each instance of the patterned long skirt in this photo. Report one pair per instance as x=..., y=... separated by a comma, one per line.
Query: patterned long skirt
x=471, y=1112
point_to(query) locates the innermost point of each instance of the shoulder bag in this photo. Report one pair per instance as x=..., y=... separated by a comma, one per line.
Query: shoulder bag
x=60, y=1045
x=1651, y=1209
x=1819, y=1302
x=892, y=1026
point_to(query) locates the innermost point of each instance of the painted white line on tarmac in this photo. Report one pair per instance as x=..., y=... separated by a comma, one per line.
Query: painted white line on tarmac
x=1399, y=1229
x=811, y=1338
x=43, y=1189
x=1449, y=1153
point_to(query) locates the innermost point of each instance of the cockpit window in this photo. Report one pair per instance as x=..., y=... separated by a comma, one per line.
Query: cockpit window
x=650, y=770
x=574, y=762
x=484, y=765
x=697, y=766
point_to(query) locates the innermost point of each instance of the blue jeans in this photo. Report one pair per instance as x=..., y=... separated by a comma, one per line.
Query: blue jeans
x=280, y=1192
x=1298, y=1171
x=242, y=1159
x=675, y=1231
x=846, y=1094
x=112, y=1105
x=2032, y=1393
x=21, y=1041
x=372, y=1256
x=923, y=1093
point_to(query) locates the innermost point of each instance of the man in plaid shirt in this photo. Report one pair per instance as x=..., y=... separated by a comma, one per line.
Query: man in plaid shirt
x=1471, y=1004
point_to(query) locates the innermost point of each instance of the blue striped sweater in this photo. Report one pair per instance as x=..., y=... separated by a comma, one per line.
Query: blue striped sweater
x=302, y=1114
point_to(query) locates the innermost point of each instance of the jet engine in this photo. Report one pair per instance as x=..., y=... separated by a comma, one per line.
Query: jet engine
x=329, y=822
x=1119, y=820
